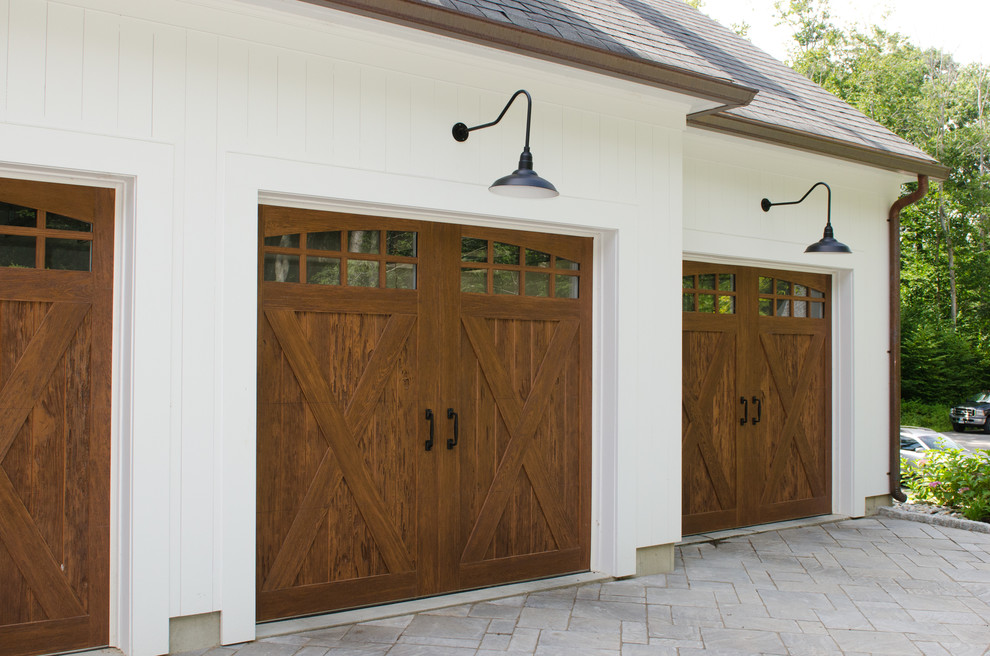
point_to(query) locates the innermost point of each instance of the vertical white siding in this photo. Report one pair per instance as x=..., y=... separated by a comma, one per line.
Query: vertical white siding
x=199, y=266
x=100, y=56
x=26, y=47
x=63, y=101
x=135, y=74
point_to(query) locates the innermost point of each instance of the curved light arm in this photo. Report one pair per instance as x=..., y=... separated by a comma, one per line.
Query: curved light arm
x=766, y=204
x=461, y=131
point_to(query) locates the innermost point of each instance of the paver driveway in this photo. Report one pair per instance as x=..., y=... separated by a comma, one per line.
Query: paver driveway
x=864, y=586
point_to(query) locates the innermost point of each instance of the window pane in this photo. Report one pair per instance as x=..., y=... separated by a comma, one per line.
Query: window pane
x=362, y=241
x=817, y=310
x=766, y=307
x=687, y=302
x=726, y=304
x=706, y=281
x=362, y=273
x=323, y=241
x=474, y=281
x=281, y=268
x=285, y=241
x=687, y=282
x=537, y=284
x=801, y=308
x=800, y=290
x=727, y=282
x=561, y=263
x=68, y=254
x=400, y=275
x=322, y=270
x=506, y=253
x=17, y=251
x=783, y=308
x=565, y=286
x=15, y=215
x=766, y=285
x=400, y=243
x=706, y=303
x=59, y=222
x=537, y=258
x=474, y=250
x=506, y=282
x=783, y=287
x=817, y=294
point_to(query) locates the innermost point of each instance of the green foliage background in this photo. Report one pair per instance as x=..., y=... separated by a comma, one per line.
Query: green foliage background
x=941, y=106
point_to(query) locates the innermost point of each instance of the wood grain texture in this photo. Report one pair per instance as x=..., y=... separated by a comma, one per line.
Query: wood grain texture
x=525, y=388
x=352, y=509
x=736, y=474
x=340, y=432
x=55, y=366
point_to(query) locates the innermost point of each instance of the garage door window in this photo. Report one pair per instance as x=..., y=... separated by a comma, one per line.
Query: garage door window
x=351, y=258
x=31, y=238
x=493, y=267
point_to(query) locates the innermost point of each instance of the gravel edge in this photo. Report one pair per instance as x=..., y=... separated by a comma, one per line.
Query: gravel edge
x=937, y=520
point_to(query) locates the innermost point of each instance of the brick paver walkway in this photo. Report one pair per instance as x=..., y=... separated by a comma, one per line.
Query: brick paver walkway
x=864, y=586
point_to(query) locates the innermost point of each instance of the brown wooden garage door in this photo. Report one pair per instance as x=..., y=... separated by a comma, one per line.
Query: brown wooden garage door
x=756, y=396
x=424, y=409
x=56, y=273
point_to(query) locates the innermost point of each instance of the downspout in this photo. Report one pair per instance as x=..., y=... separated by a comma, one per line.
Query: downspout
x=894, y=237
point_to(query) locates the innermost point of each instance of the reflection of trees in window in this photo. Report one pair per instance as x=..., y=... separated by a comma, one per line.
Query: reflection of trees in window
x=362, y=241
x=400, y=243
x=16, y=215
x=282, y=261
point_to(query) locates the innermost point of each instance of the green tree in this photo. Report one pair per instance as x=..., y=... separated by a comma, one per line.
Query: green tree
x=941, y=106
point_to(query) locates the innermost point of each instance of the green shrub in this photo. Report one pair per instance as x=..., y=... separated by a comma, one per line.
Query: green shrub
x=929, y=415
x=953, y=478
x=939, y=364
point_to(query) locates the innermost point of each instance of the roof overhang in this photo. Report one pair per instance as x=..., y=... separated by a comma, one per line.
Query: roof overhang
x=749, y=129
x=466, y=27
x=722, y=93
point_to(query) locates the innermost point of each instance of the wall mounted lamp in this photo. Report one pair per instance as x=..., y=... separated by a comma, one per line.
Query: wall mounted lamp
x=828, y=243
x=523, y=182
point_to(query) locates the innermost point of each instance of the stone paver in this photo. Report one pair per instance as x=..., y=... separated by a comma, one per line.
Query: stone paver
x=866, y=586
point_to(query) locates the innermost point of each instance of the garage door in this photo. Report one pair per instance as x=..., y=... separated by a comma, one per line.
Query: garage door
x=424, y=409
x=56, y=273
x=755, y=396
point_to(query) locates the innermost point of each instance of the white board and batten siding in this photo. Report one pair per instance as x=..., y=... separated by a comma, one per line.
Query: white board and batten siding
x=195, y=111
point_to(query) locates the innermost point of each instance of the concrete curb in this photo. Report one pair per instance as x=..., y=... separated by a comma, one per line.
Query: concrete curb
x=937, y=520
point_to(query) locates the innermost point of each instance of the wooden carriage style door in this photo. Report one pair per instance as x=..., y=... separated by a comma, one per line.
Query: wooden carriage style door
x=756, y=392
x=56, y=303
x=423, y=409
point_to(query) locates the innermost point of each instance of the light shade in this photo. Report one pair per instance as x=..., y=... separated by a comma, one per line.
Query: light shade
x=524, y=182
x=828, y=244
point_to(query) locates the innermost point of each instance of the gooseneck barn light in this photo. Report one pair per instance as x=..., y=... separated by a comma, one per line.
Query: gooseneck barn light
x=828, y=243
x=523, y=182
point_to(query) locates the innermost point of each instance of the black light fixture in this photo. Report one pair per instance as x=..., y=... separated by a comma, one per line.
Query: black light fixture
x=828, y=243
x=523, y=182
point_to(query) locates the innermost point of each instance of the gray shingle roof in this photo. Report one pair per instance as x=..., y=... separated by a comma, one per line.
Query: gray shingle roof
x=672, y=35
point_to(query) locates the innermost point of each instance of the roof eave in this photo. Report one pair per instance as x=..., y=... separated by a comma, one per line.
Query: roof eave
x=816, y=144
x=511, y=38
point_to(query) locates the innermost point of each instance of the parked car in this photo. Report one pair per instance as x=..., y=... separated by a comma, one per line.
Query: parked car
x=975, y=411
x=917, y=441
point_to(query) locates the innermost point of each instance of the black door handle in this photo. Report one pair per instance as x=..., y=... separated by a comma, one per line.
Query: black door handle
x=429, y=417
x=451, y=443
x=745, y=405
x=759, y=410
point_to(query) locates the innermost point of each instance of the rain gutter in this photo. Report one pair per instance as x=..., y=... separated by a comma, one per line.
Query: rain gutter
x=894, y=237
